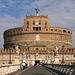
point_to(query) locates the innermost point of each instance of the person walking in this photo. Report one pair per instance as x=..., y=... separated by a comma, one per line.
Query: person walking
x=21, y=66
x=26, y=65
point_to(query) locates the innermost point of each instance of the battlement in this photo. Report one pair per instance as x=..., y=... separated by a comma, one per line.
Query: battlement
x=40, y=51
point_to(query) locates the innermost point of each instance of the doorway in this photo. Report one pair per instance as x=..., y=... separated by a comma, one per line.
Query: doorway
x=37, y=62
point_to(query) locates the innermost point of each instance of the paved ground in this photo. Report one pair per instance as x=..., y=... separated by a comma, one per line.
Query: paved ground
x=38, y=70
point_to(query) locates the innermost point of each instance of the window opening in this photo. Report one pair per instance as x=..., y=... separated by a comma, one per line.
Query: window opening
x=33, y=22
x=55, y=29
x=68, y=31
x=27, y=22
x=59, y=30
x=36, y=28
x=39, y=28
x=45, y=26
x=36, y=48
x=27, y=26
x=39, y=22
x=45, y=22
x=64, y=30
x=51, y=29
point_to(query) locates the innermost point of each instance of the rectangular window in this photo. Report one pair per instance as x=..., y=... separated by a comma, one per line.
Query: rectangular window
x=45, y=22
x=33, y=22
x=27, y=26
x=39, y=28
x=45, y=26
x=39, y=22
x=36, y=28
x=27, y=22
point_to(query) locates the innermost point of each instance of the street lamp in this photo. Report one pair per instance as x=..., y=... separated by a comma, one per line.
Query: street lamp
x=10, y=56
x=63, y=54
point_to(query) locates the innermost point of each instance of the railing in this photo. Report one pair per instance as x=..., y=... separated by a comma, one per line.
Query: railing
x=66, y=69
x=8, y=68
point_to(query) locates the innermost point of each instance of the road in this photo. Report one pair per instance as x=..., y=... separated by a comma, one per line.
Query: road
x=37, y=70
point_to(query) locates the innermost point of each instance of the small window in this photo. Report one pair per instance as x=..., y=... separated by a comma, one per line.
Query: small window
x=21, y=29
x=26, y=29
x=51, y=29
x=46, y=29
x=33, y=22
x=27, y=26
x=55, y=29
x=45, y=26
x=68, y=31
x=27, y=22
x=59, y=30
x=39, y=28
x=74, y=56
x=64, y=31
x=39, y=22
x=36, y=28
x=36, y=48
x=45, y=22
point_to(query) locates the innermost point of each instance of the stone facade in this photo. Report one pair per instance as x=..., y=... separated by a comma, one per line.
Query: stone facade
x=38, y=31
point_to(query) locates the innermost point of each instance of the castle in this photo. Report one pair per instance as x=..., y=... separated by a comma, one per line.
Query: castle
x=37, y=37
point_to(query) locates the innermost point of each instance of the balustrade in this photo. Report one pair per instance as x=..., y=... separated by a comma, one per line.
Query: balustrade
x=66, y=69
x=8, y=68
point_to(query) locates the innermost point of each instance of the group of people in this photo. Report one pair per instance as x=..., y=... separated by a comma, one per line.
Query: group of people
x=23, y=65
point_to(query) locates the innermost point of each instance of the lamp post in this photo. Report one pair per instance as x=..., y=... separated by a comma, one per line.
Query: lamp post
x=10, y=56
x=49, y=58
x=63, y=54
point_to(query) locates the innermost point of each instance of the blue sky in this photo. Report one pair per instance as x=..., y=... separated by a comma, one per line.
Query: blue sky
x=60, y=12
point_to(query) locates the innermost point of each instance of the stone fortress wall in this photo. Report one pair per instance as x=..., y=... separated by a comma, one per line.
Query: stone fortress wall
x=69, y=54
x=36, y=31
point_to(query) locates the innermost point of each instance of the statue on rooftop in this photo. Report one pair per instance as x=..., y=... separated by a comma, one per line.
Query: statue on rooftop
x=37, y=10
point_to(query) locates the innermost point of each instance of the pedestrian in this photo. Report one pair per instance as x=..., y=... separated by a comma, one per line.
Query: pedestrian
x=21, y=66
x=26, y=65
x=34, y=65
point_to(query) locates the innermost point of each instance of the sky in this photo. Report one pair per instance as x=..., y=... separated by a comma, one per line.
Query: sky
x=60, y=12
